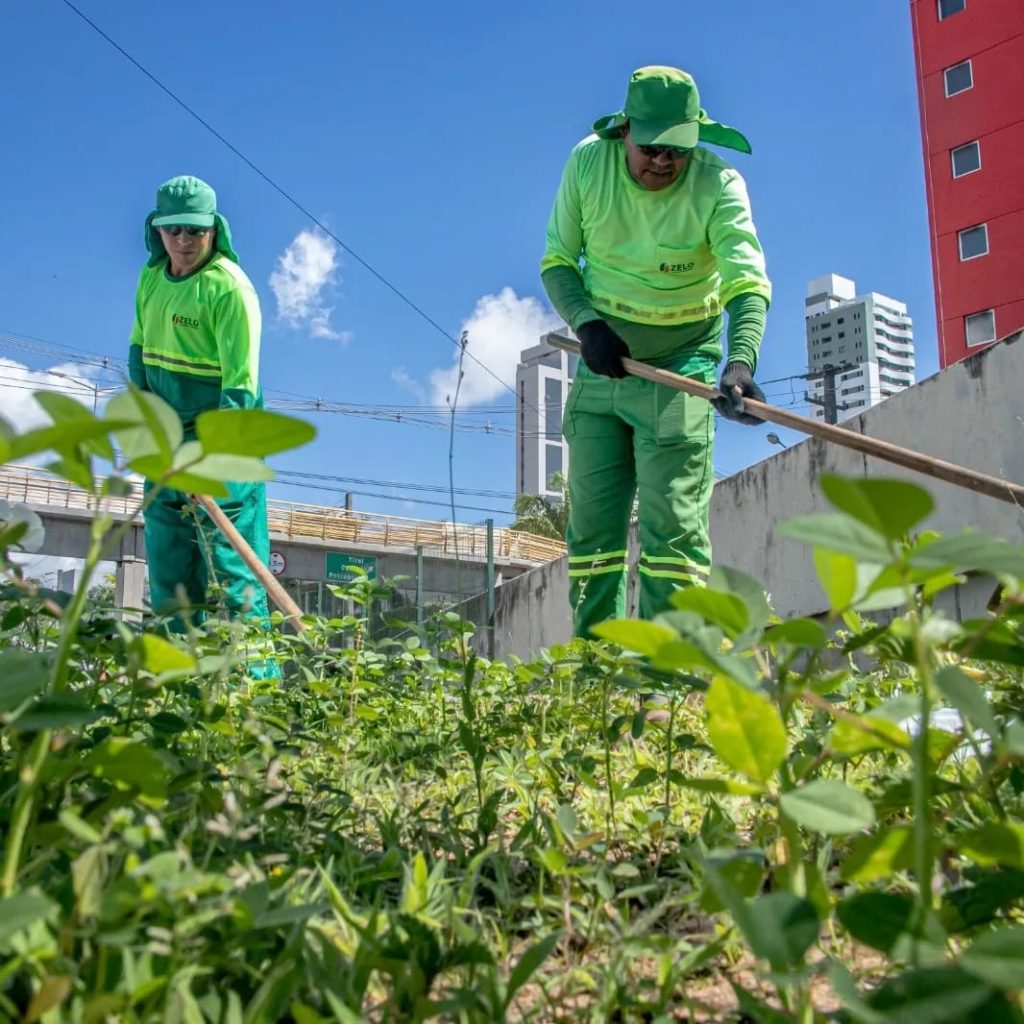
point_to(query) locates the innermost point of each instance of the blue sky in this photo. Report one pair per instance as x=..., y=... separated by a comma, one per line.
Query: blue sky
x=430, y=139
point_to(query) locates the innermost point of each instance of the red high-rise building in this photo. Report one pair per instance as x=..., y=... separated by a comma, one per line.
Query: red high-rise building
x=970, y=81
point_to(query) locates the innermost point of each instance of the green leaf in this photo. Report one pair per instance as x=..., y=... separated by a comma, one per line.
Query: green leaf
x=969, y=906
x=77, y=470
x=971, y=551
x=797, y=633
x=780, y=928
x=156, y=432
x=158, y=655
x=838, y=576
x=636, y=635
x=78, y=827
x=23, y=674
x=997, y=957
x=930, y=995
x=528, y=964
x=876, y=857
x=743, y=872
x=88, y=871
x=224, y=468
x=732, y=581
x=63, y=409
x=994, y=844
x=829, y=806
x=15, y=514
x=878, y=919
x=745, y=730
x=967, y=697
x=725, y=610
x=63, y=711
x=6, y=436
x=858, y=734
x=888, y=507
x=838, y=533
x=755, y=1011
x=846, y=989
x=256, y=432
x=732, y=787
x=21, y=910
x=65, y=437
x=643, y=778
x=133, y=764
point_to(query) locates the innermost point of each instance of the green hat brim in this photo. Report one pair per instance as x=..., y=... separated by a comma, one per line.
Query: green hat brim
x=610, y=127
x=665, y=133
x=193, y=220
x=155, y=244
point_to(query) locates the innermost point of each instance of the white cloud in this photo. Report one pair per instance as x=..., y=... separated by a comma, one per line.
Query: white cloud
x=403, y=380
x=499, y=328
x=17, y=384
x=305, y=272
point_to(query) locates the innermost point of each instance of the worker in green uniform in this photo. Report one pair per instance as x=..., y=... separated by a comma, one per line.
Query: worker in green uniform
x=196, y=344
x=651, y=238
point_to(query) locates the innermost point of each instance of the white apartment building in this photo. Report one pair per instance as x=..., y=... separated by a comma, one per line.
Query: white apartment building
x=870, y=334
x=543, y=378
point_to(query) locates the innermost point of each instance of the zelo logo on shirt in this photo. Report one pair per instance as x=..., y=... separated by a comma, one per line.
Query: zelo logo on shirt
x=184, y=321
x=675, y=268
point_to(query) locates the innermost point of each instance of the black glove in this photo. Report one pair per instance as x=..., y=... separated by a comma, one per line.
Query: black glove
x=736, y=384
x=602, y=349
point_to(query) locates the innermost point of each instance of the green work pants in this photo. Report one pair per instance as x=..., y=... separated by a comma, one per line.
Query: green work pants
x=631, y=438
x=185, y=549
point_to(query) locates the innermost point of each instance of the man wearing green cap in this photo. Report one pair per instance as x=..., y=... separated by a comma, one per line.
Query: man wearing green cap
x=196, y=344
x=650, y=240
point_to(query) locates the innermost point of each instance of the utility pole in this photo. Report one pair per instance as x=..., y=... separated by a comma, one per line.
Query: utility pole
x=828, y=400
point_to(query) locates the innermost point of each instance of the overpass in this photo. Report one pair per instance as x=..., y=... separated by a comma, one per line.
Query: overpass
x=312, y=546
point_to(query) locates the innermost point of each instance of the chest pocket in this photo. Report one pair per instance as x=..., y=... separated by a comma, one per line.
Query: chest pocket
x=681, y=267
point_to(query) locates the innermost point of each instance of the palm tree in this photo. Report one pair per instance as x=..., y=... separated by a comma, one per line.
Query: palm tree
x=541, y=515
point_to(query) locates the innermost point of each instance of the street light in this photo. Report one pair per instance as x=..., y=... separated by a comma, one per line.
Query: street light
x=773, y=438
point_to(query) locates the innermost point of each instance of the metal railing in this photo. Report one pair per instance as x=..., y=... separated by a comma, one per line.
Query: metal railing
x=299, y=522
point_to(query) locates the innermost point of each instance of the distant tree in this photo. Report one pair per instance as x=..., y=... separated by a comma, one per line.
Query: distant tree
x=101, y=595
x=542, y=515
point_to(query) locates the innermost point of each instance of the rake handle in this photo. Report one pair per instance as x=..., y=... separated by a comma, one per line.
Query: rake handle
x=961, y=476
x=277, y=593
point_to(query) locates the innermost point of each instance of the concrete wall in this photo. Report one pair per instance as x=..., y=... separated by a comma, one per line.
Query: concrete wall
x=531, y=612
x=970, y=414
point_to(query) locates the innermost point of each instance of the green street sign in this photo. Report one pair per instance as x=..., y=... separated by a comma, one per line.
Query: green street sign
x=338, y=568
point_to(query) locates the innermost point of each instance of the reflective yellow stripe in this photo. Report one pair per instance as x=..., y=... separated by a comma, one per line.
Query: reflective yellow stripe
x=672, y=574
x=601, y=556
x=177, y=364
x=685, y=564
x=600, y=570
x=704, y=308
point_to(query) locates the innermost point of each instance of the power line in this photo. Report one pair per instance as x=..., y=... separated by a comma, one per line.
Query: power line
x=435, y=417
x=394, y=497
x=287, y=196
x=433, y=488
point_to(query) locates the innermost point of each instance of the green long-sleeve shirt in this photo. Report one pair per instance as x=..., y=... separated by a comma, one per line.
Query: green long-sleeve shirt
x=196, y=339
x=662, y=345
x=659, y=266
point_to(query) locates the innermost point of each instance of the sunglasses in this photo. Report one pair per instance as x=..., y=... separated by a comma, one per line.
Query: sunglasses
x=176, y=229
x=672, y=152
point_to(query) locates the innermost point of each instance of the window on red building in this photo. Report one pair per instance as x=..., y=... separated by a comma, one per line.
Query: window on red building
x=959, y=78
x=966, y=159
x=973, y=242
x=950, y=7
x=980, y=328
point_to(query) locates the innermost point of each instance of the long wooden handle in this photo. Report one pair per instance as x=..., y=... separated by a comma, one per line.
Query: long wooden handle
x=982, y=483
x=275, y=591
